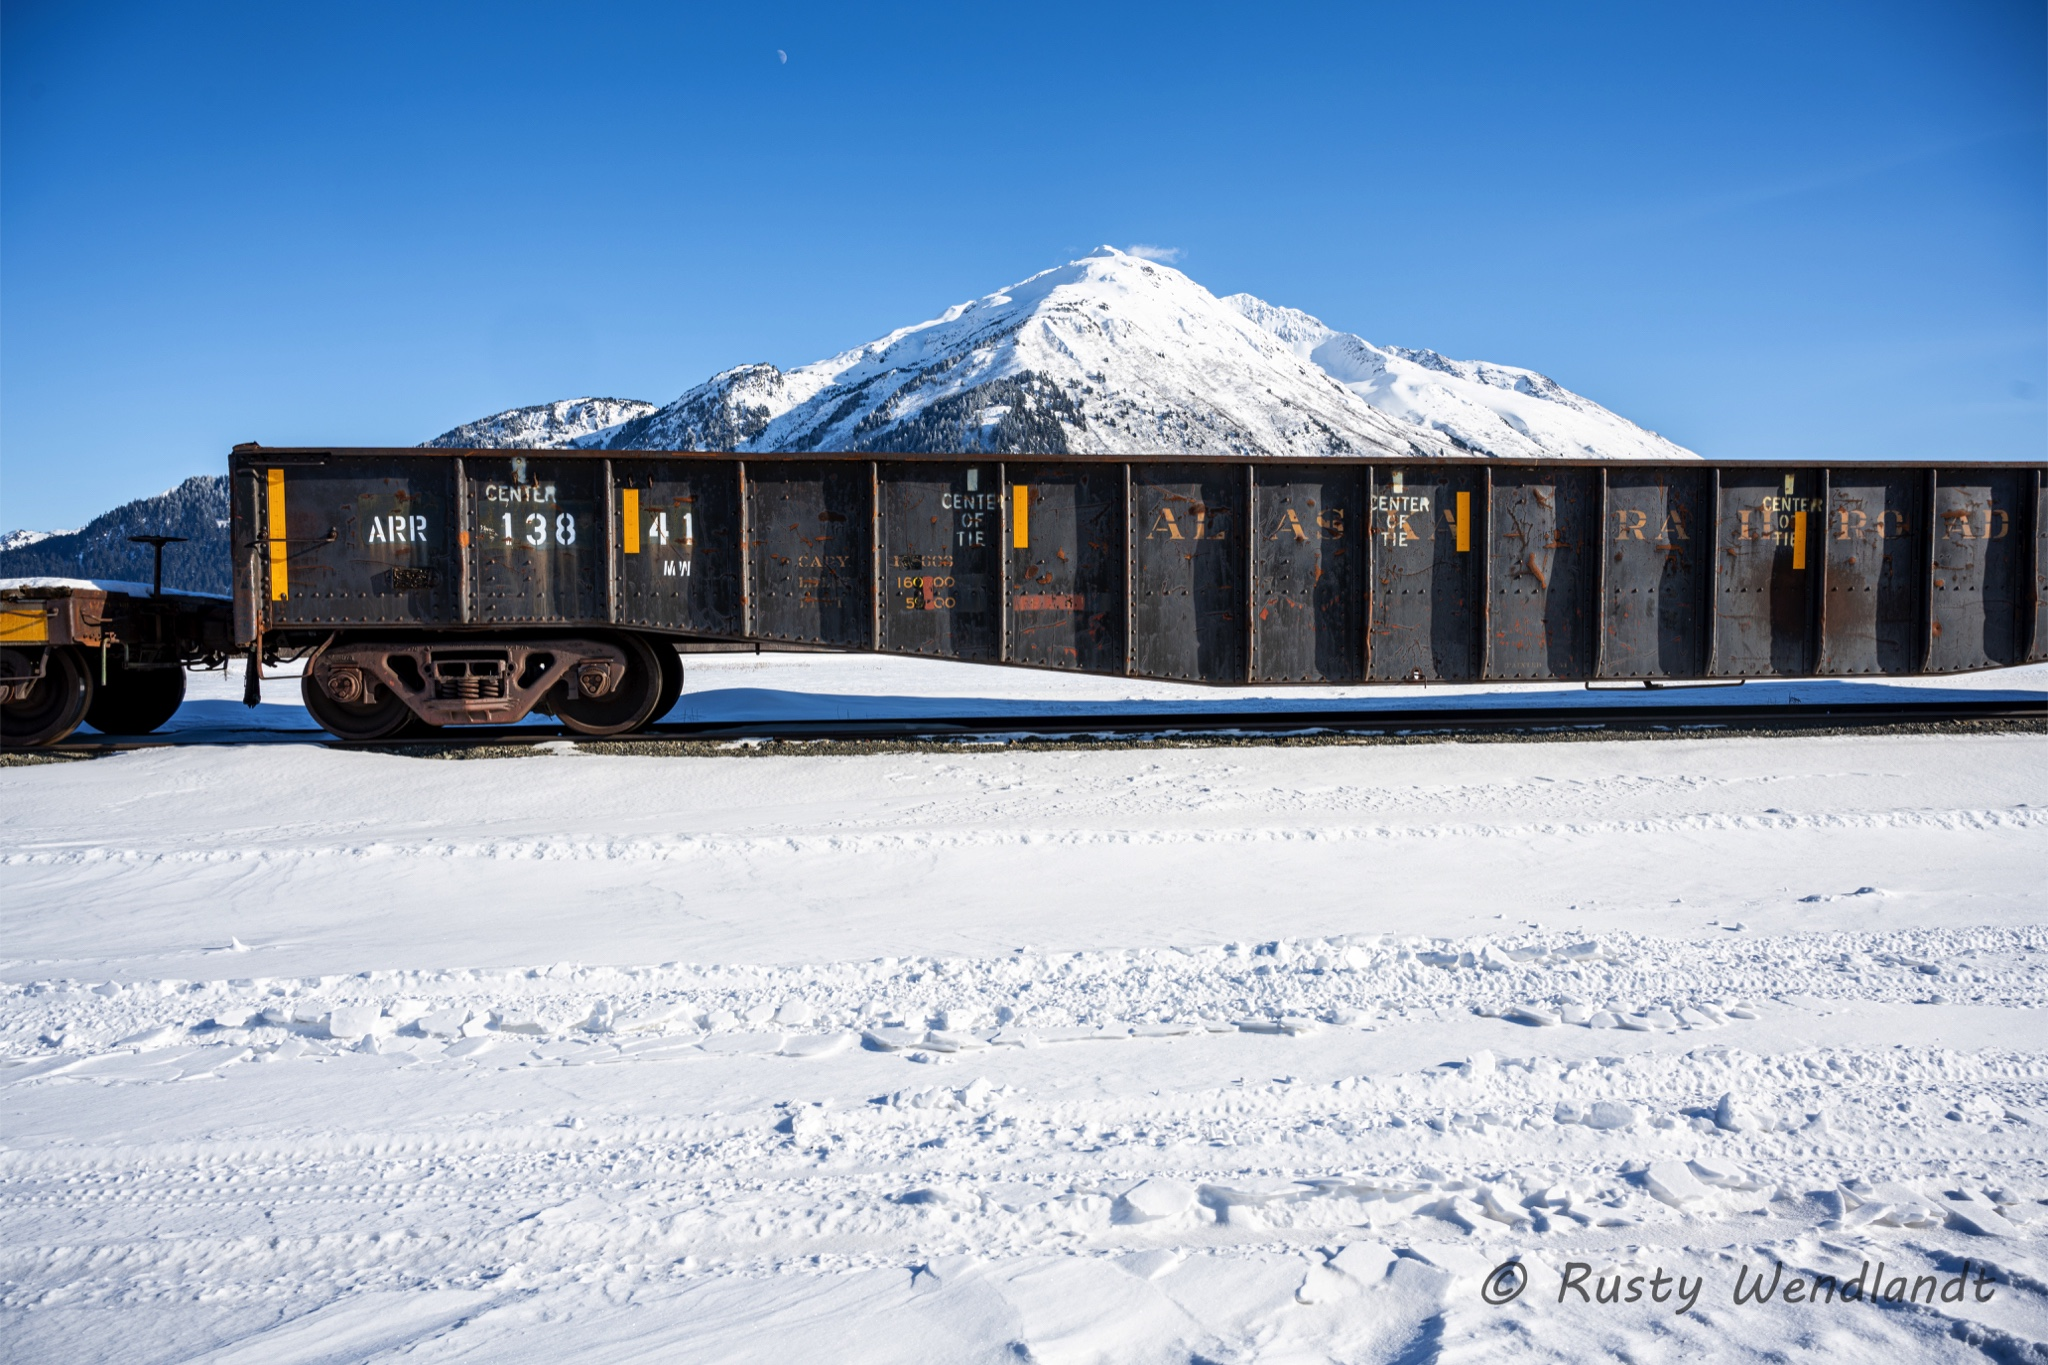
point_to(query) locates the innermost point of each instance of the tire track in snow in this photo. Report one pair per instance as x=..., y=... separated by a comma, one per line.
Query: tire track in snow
x=662, y=849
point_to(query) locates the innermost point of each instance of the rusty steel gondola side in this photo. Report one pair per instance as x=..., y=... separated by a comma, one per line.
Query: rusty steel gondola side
x=1189, y=568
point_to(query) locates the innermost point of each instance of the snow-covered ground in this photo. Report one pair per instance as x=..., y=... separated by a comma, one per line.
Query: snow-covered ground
x=1149, y=1054
x=809, y=687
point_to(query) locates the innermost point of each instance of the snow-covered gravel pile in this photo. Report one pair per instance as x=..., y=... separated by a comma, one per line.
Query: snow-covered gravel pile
x=1222, y=1054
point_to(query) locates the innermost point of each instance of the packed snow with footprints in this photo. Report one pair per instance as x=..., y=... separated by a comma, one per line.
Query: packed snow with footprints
x=1207, y=1052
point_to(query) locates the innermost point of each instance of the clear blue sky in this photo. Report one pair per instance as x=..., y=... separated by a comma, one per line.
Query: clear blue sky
x=1762, y=229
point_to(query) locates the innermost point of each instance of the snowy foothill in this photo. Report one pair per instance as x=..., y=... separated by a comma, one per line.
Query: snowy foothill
x=1145, y=1052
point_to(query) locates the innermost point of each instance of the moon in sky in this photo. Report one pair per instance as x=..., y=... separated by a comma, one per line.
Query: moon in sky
x=782, y=56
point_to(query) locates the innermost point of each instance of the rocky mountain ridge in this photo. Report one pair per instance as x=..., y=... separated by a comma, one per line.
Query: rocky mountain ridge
x=1110, y=354
x=542, y=425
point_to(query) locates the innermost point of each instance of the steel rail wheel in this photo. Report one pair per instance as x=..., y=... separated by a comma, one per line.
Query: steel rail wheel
x=135, y=701
x=671, y=678
x=627, y=707
x=56, y=702
x=380, y=719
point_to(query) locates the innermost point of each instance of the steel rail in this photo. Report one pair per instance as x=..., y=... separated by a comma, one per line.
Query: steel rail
x=1536, y=721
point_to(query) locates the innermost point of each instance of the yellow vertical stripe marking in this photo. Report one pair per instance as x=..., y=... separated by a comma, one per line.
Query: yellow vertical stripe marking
x=632, y=513
x=1799, y=540
x=1464, y=522
x=1020, y=516
x=280, y=581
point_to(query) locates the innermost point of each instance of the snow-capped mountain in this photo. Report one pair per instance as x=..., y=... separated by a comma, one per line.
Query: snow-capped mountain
x=543, y=425
x=1480, y=408
x=22, y=539
x=196, y=509
x=726, y=412
x=1109, y=354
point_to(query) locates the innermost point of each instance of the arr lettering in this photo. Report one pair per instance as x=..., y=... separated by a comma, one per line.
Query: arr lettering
x=399, y=529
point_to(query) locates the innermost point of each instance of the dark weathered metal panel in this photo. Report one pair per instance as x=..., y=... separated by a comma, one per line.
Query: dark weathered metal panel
x=1979, y=550
x=1003, y=564
x=1425, y=572
x=875, y=552
x=1545, y=536
x=2038, y=645
x=748, y=549
x=678, y=549
x=1128, y=518
x=245, y=518
x=1874, y=531
x=1189, y=589
x=1065, y=541
x=368, y=542
x=810, y=532
x=1654, y=571
x=1308, y=574
x=941, y=531
x=536, y=540
x=1767, y=551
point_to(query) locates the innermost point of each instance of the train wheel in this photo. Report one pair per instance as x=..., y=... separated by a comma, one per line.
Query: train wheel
x=626, y=707
x=56, y=702
x=135, y=701
x=383, y=718
x=671, y=678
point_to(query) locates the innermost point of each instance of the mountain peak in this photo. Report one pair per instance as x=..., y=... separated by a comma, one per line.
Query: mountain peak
x=1110, y=353
x=543, y=425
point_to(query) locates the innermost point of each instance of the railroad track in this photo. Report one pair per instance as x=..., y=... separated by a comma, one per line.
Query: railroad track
x=1083, y=725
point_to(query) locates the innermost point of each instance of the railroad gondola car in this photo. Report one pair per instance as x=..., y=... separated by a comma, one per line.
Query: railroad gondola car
x=464, y=587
